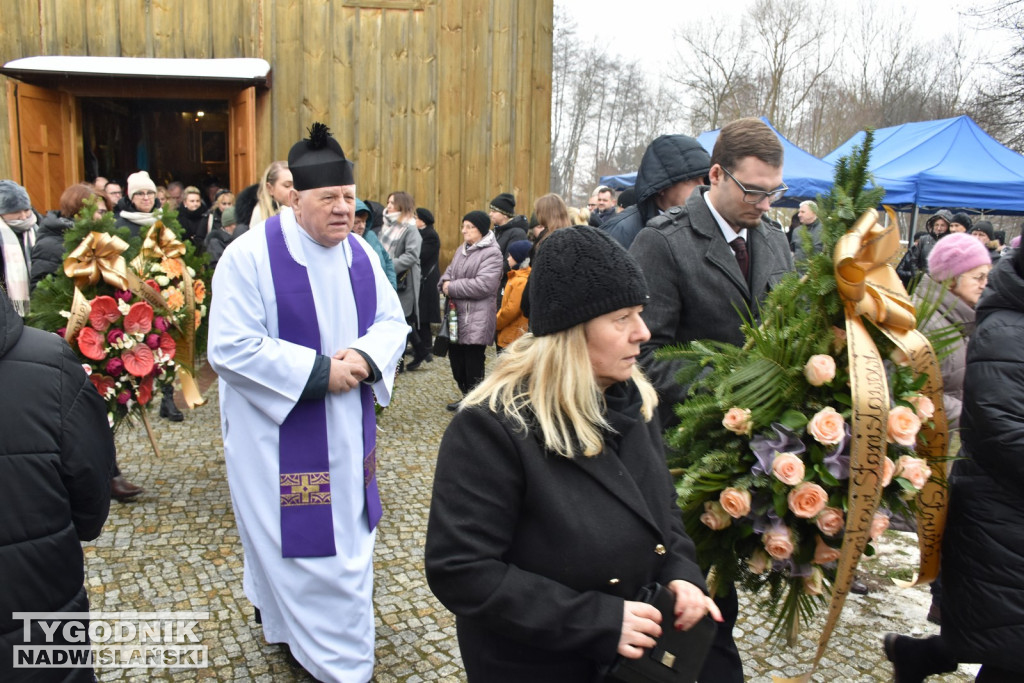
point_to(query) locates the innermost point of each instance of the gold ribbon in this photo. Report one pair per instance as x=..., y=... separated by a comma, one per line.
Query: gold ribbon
x=98, y=257
x=187, y=348
x=871, y=289
x=161, y=243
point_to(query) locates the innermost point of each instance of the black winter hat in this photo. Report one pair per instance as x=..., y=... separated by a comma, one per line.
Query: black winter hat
x=319, y=161
x=425, y=215
x=985, y=227
x=504, y=203
x=963, y=219
x=480, y=219
x=579, y=274
x=627, y=198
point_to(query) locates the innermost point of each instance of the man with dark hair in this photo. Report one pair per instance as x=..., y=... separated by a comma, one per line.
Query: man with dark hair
x=115, y=193
x=672, y=166
x=605, y=206
x=705, y=262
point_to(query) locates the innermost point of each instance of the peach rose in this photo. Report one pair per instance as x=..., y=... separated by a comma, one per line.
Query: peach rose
x=830, y=521
x=827, y=427
x=888, y=470
x=914, y=470
x=815, y=583
x=758, y=562
x=823, y=552
x=737, y=421
x=903, y=426
x=807, y=500
x=923, y=406
x=715, y=517
x=820, y=369
x=788, y=468
x=878, y=526
x=735, y=501
x=778, y=543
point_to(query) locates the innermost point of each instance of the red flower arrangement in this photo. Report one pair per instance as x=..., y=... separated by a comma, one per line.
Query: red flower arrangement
x=131, y=350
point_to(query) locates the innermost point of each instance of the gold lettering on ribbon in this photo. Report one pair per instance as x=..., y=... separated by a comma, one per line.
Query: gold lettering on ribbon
x=871, y=290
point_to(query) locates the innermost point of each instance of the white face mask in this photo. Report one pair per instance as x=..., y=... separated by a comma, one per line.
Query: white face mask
x=22, y=224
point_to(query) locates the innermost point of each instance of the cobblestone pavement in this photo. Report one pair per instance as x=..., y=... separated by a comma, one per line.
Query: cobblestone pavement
x=176, y=548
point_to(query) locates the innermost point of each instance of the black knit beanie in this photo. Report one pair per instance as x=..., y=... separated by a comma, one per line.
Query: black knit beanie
x=504, y=203
x=425, y=215
x=579, y=274
x=480, y=219
x=963, y=219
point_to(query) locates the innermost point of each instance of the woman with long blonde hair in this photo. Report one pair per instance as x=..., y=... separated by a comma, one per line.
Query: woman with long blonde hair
x=273, y=193
x=552, y=506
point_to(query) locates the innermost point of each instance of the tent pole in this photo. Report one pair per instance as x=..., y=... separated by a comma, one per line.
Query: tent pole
x=913, y=224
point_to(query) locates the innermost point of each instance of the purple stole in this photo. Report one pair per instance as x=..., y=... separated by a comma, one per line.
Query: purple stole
x=307, y=527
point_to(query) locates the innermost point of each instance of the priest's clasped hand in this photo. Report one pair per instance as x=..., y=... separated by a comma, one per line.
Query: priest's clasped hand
x=348, y=369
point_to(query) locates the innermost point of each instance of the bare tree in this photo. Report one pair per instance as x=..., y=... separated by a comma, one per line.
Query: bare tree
x=708, y=68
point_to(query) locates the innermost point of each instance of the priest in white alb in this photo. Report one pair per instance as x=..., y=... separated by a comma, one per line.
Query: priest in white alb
x=304, y=331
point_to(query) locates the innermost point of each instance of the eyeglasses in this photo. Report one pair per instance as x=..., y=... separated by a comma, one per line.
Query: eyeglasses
x=757, y=196
x=149, y=193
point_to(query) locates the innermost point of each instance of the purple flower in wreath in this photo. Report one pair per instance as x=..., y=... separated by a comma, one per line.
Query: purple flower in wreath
x=837, y=461
x=767, y=521
x=765, y=448
x=791, y=567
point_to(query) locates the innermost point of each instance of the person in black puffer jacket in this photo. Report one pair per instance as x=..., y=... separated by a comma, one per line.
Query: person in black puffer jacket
x=55, y=485
x=983, y=544
x=192, y=216
x=672, y=166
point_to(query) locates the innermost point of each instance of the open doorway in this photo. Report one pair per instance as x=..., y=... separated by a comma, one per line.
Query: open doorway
x=174, y=139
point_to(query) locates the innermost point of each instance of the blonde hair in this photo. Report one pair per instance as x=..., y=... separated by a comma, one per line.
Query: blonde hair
x=548, y=382
x=268, y=205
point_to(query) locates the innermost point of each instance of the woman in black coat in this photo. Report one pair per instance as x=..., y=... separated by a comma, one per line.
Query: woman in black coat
x=552, y=505
x=48, y=252
x=430, y=274
x=983, y=544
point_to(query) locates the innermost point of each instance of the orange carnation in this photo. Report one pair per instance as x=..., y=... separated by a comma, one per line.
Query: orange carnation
x=199, y=287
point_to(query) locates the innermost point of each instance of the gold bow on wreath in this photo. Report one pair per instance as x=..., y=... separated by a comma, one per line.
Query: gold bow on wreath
x=871, y=290
x=161, y=243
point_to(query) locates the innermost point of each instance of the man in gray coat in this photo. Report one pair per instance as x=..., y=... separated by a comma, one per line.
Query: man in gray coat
x=707, y=263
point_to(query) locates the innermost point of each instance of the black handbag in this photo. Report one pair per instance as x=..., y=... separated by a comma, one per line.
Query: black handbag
x=677, y=657
x=442, y=340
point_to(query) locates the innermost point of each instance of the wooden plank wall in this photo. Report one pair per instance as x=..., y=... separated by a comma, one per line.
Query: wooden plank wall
x=449, y=100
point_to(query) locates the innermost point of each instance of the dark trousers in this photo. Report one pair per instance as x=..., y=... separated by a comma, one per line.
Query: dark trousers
x=723, y=664
x=422, y=342
x=467, y=362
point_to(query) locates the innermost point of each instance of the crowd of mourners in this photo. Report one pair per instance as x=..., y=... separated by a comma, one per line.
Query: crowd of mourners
x=552, y=507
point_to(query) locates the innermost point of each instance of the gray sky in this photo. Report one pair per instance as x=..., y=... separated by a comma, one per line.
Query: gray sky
x=642, y=29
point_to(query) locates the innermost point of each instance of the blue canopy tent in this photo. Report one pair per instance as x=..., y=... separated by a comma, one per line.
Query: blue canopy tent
x=806, y=175
x=619, y=182
x=949, y=163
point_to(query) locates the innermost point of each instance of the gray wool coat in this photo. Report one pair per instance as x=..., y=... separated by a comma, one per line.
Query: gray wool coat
x=696, y=286
x=405, y=253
